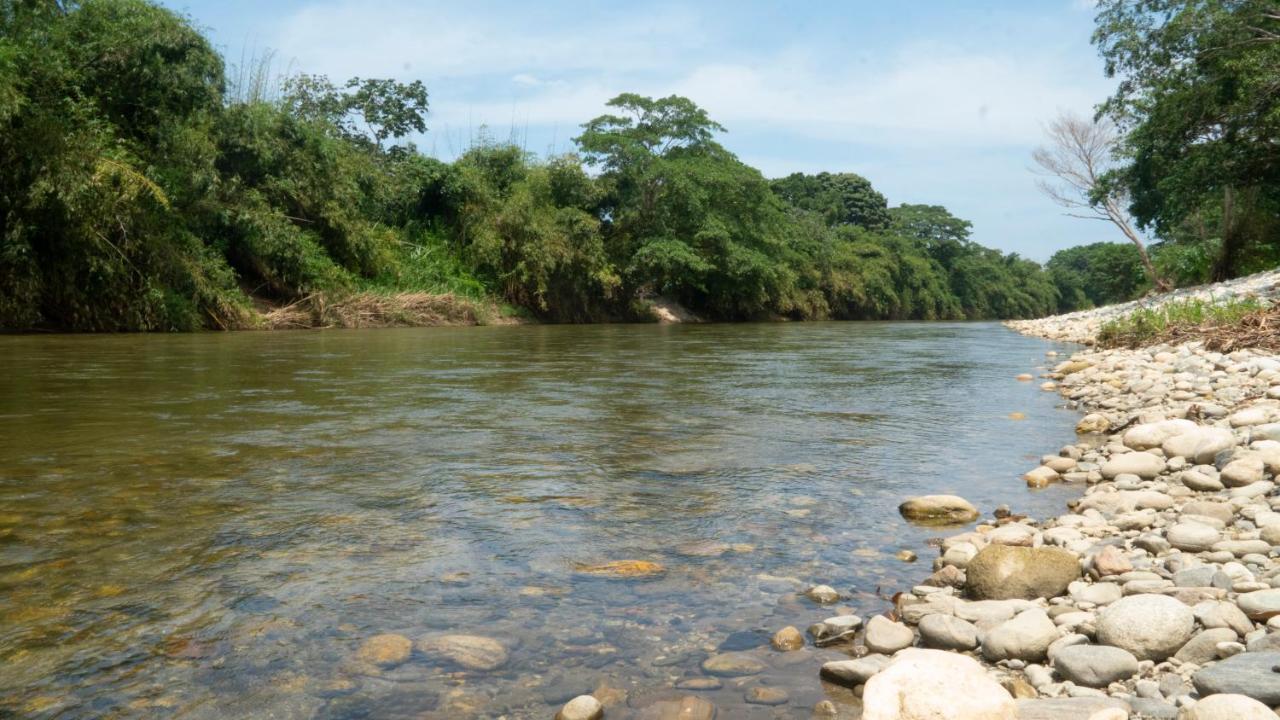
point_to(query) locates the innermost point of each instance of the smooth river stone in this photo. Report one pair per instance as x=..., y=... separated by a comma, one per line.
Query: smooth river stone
x=1251, y=673
x=947, y=632
x=938, y=509
x=733, y=664
x=852, y=673
x=1095, y=665
x=1143, y=464
x=469, y=651
x=1199, y=445
x=1260, y=605
x=1152, y=627
x=923, y=684
x=1228, y=707
x=1192, y=537
x=886, y=636
x=1002, y=572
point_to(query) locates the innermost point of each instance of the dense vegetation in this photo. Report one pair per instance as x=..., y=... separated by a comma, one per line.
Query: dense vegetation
x=141, y=190
x=1199, y=107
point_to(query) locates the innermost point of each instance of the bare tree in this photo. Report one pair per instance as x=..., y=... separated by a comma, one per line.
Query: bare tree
x=1077, y=157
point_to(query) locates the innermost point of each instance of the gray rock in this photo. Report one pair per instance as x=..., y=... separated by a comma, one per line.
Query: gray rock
x=947, y=632
x=1067, y=708
x=1001, y=572
x=1192, y=536
x=1026, y=637
x=1196, y=577
x=733, y=664
x=852, y=673
x=1152, y=627
x=1153, y=708
x=1260, y=605
x=1095, y=665
x=1222, y=614
x=886, y=636
x=1203, y=648
x=1228, y=707
x=1252, y=674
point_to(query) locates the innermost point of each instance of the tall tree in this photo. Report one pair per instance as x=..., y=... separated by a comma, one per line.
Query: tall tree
x=1199, y=105
x=1076, y=163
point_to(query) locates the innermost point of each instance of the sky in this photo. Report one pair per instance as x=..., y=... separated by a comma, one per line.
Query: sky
x=934, y=101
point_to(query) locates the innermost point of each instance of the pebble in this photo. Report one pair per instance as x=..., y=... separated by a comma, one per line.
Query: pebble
x=583, y=707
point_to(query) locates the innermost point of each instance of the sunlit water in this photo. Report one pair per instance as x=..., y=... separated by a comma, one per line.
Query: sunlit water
x=207, y=526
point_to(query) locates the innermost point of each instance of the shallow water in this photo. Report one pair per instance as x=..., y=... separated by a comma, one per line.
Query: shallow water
x=207, y=526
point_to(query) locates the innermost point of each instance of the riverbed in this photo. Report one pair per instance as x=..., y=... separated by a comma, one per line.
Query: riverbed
x=210, y=525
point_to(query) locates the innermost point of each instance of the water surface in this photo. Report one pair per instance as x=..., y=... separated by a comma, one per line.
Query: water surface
x=207, y=526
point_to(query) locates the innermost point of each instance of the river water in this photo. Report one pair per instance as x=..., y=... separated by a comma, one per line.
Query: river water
x=209, y=525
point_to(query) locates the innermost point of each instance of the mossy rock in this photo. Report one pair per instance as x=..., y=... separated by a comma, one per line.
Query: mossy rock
x=1006, y=572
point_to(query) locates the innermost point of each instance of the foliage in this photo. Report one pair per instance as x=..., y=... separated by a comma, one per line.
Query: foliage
x=139, y=192
x=1150, y=325
x=1097, y=274
x=1200, y=107
x=839, y=198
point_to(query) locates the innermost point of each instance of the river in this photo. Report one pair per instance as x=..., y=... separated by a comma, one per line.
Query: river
x=209, y=525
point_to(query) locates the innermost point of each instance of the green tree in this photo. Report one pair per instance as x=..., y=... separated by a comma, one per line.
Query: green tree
x=839, y=198
x=372, y=109
x=1198, y=103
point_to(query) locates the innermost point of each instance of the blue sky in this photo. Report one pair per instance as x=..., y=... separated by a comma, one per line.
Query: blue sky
x=934, y=101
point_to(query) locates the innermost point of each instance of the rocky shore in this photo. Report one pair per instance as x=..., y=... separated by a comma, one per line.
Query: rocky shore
x=1156, y=596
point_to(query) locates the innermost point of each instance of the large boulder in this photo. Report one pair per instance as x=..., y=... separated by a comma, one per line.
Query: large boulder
x=1003, y=572
x=1250, y=673
x=939, y=509
x=933, y=684
x=1152, y=627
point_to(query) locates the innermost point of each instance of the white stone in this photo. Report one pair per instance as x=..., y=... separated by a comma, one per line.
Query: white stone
x=935, y=684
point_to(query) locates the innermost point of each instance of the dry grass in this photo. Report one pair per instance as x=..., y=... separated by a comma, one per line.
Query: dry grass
x=1222, y=328
x=374, y=310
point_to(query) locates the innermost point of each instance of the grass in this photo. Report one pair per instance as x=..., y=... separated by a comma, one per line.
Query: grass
x=1225, y=325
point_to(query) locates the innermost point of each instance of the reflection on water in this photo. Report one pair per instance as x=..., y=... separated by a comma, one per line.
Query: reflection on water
x=208, y=526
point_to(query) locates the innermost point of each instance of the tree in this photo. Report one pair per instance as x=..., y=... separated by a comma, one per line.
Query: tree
x=1076, y=163
x=374, y=109
x=839, y=198
x=1199, y=106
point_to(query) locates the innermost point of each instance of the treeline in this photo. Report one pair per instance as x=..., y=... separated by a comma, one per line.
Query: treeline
x=138, y=192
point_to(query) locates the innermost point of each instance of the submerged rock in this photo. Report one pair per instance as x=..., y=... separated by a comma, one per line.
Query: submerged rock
x=470, y=651
x=583, y=707
x=386, y=650
x=621, y=569
x=940, y=509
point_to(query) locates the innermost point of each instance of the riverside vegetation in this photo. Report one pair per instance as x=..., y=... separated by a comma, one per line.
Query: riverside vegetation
x=144, y=189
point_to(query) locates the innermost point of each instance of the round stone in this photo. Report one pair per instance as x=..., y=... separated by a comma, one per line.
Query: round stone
x=787, y=639
x=1095, y=665
x=886, y=636
x=733, y=664
x=583, y=707
x=1252, y=673
x=947, y=632
x=941, y=509
x=386, y=650
x=470, y=651
x=1152, y=627
x=1002, y=572
x=1227, y=707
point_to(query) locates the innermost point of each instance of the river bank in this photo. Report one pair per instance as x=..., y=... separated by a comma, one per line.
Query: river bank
x=1156, y=596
